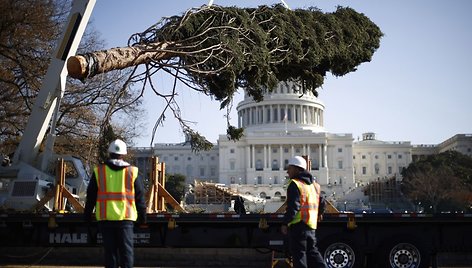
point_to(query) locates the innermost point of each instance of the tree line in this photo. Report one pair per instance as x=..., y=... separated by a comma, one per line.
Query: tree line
x=29, y=31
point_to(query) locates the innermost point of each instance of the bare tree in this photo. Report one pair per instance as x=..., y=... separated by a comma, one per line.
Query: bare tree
x=433, y=187
x=28, y=31
x=440, y=181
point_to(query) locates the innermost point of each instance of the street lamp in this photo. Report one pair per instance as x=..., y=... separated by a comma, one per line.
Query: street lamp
x=345, y=205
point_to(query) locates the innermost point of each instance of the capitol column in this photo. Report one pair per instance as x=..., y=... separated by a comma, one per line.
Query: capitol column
x=281, y=158
x=253, y=154
x=320, y=156
x=249, y=116
x=321, y=118
x=269, y=157
x=263, y=114
x=325, y=156
x=246, y=118
x=278, y=114
x=294, y=111
x=264, y=163
x=248, y=155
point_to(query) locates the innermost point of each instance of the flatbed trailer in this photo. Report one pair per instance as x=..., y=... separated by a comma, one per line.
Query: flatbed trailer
x=345, y=239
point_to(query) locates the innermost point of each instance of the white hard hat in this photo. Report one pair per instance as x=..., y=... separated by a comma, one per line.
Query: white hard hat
x=297, y=161
x=117, y=147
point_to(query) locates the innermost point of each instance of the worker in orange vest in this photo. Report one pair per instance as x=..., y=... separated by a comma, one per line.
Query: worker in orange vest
x=117, y=194
x=304, y=204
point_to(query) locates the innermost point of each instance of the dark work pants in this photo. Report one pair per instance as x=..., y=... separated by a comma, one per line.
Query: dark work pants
x=302, y=244
x=118, y=243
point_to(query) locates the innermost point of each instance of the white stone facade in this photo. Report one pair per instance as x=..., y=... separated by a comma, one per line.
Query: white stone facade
x=374, y=159
x=179, y=158
x=459, y=142
x=285, y=124
x=288, y=123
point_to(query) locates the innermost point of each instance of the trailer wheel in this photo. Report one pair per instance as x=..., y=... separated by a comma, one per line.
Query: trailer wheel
x=339, y=255
x=404, y=254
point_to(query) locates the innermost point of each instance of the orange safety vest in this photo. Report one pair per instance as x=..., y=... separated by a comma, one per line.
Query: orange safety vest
x=309, y=201
x=115, y=197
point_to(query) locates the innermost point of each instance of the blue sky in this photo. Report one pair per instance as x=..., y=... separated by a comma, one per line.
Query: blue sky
x=416, y=88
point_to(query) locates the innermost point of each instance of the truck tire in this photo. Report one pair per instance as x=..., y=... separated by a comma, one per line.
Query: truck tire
x=341, y=254
x=404, y=253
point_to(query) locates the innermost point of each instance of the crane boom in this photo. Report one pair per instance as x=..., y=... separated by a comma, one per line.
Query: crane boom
x=52, y=90
x=27, y=179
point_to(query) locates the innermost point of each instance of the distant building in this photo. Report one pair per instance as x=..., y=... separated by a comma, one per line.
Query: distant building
x=180, y=158
x=460, y=142
x=284, y=124
x=374, y=159
x=288, y=123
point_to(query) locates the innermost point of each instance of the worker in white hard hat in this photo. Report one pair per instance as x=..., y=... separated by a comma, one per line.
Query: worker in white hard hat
x=304, y=204
x=117, y=194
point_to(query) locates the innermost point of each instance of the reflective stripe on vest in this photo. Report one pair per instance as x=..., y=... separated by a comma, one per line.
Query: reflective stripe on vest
x=115, y=197
x=309, y=201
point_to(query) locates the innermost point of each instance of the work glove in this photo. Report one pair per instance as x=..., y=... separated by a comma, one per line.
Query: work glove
x=141, y=221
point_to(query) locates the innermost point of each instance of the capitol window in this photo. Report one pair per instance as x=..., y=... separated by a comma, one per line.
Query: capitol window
x=259, y=164
x=400, y=156
x=314, y=164
x=231, y=151
x=275, y=165
x=340, y=150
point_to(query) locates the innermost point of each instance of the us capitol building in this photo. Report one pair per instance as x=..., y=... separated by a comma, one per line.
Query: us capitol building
x=288, y=123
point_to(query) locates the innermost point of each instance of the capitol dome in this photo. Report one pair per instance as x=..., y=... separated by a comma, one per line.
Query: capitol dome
x=286, y=109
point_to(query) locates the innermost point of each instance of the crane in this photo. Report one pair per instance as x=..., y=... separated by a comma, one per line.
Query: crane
x=28, y=177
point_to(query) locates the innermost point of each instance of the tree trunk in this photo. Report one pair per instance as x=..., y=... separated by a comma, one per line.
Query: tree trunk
x=91, y=64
